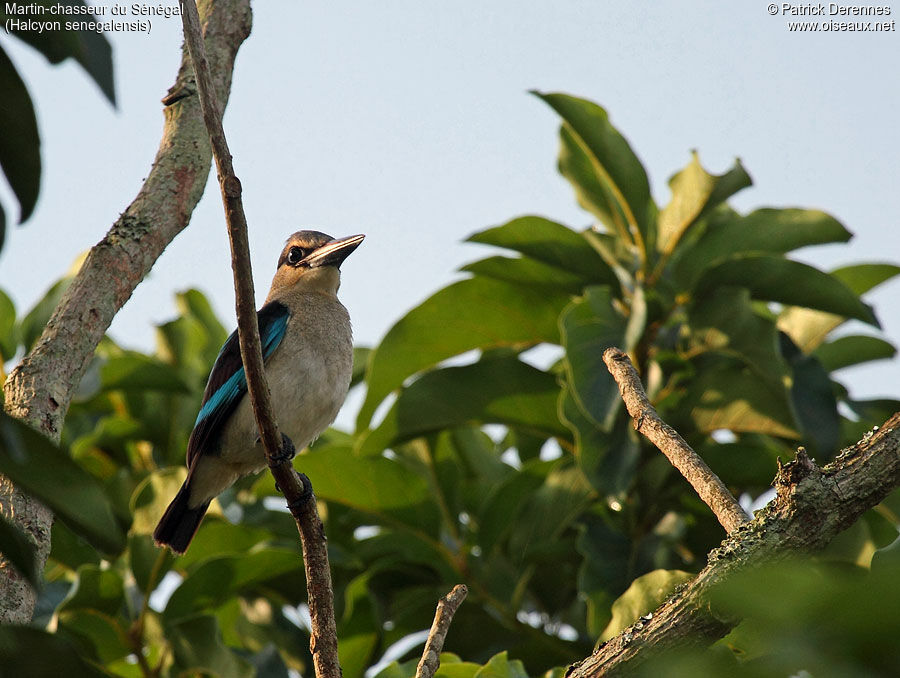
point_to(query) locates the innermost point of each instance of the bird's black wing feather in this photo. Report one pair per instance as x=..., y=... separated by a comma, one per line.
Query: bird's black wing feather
x=227, y=383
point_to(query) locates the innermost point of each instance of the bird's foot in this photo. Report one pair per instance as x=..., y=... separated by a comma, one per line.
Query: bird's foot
x=305, y=496
x=286, y=452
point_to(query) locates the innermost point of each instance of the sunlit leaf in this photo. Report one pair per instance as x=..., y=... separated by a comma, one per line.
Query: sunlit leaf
x=644, y=595
x=808, y=328
x=727, y=395
x=500, y=666
x=694, y=190
x=9, y=340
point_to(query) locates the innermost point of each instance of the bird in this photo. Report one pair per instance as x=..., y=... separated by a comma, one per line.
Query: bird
x=307, y=348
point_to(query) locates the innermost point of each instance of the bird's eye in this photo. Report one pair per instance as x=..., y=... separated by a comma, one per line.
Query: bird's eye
x=295, y=255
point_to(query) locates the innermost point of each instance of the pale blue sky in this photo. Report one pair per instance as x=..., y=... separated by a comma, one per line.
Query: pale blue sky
x=409, y=121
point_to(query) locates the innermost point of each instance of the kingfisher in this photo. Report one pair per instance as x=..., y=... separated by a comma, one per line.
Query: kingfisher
x=307, y=348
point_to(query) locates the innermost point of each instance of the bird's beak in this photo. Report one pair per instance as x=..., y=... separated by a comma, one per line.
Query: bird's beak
x=334, y=252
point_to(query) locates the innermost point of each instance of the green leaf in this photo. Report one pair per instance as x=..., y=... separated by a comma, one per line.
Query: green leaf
x=606, y=174
x=152, y=496
x=20, y=143
x=219, y=538
x=18, y=550
x=215, y=580
x=360, y=361
x=772, y=278
x=728, y=395
x=374, y=485
x=549, y=511
x=808, y=328
x=9, y=340
x=501, y=507
x=814, y=402
x=607, y=459
x=95, y=589
x=724, y=321
x=133, y=371
x=853, y=350
x=193, y=303
x=494, y=390
x=98, y=634
x=36, y=654
x=471, y=314
x=197, y=646
x=645, y=594
x=550, y=243
x=694, y=192
x=525, y=271
x=89, y=48
x=500, y=666
x=766, y=230
x=73, y=495
x=148, y=562
x=32, y=325
x=589, y=325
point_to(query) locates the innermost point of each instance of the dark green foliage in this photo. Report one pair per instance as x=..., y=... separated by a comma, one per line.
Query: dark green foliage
x=20, y=144
x=513, y=470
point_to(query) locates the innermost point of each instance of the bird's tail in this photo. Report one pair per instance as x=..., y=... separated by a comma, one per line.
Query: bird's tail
x=180, y=522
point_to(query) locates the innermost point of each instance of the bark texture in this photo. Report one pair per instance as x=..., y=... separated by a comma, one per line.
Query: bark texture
x=40, y=389
x=811, y=507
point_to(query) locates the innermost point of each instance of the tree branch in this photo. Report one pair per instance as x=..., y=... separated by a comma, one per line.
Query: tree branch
x=812, y=505
x=446, y=608
x=40, y=389
x=301, y=500
x=646, y=421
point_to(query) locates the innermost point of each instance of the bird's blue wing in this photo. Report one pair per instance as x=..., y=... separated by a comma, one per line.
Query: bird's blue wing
x=227, y=382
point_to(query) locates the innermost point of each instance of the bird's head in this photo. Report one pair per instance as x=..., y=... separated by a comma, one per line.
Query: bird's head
x=311, y=261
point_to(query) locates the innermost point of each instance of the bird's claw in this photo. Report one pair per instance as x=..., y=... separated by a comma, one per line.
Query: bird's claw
x=286, y=452
x=305, y=496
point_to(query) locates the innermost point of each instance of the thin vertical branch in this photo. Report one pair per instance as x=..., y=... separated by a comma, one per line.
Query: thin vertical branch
x=648, y=422
x=446, y=608
x=301, y=501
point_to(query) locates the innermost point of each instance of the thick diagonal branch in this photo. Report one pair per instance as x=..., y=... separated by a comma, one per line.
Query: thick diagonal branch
x=323, y=636
x=40, y=389
x=811, y=507
x=646, y=421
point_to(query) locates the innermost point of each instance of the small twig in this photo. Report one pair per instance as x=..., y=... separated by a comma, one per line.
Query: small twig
x=646, y=421
x=446, y=608
x=323, y=636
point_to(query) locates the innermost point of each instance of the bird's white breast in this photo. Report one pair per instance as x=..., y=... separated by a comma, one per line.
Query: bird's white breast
x=308, y=374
